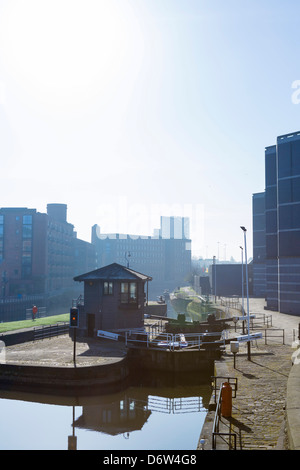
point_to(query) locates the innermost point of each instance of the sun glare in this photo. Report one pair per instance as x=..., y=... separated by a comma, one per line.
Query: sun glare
x=65, y=52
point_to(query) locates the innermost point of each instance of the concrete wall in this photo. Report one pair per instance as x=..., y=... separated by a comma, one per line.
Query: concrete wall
x=64, y=378
x=175, y=361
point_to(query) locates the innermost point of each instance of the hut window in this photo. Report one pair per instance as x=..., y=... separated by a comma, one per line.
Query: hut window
x=128, y=292
x=108, y=288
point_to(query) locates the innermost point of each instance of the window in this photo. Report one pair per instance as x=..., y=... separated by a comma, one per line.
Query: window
x=26, y=247
x=27, y=219
x=128, y=292
x=284, y=160
x=108, y=288
x=27, y=226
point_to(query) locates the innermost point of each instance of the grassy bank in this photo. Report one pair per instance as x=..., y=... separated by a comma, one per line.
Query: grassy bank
x=19, y=325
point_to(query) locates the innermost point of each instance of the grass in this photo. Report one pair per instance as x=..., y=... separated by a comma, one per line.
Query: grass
x=18, y=325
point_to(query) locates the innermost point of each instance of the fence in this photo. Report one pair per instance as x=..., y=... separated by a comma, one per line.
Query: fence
x=51, y=330
x=14, y=308
x=264, y=319
x=41, y=313
x=232, y=302
x=271, y=334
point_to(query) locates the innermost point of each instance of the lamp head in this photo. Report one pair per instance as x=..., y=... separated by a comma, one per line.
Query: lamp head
x=244, y=229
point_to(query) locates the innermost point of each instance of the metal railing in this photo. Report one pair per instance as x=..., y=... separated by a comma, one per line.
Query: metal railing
x=41, y=313
x=262, y=319
x=174, y=341
x=49, y=331
x=229, y=437
x=232, y=302
x=271, y=334
x=216, y=433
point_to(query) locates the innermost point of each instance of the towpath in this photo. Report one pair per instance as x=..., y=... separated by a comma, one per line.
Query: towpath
x=258, y=411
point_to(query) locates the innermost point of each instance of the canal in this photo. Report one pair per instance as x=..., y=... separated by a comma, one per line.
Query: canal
x=150, y=413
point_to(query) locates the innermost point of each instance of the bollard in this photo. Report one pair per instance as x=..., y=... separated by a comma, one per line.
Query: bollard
x=226, y=405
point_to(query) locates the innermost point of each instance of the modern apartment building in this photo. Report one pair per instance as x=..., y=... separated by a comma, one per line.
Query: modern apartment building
x=39, y=254
x=282, y=224
x=259, y=244
x=166, y=256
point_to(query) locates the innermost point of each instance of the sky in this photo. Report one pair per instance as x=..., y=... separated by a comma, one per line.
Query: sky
x=128, y=110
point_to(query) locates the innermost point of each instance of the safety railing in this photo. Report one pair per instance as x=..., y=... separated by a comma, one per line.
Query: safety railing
x=273, y=335
x=41, y=313
x=228, y=437
x=261, y=320
x=219, y=428
x=217, y=382
x=175, y=341
x=49, y=331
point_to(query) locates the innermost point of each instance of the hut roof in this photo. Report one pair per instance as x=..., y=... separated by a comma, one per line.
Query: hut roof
x=112, y=272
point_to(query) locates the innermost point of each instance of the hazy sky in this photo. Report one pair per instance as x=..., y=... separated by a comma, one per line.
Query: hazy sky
x=126, y=110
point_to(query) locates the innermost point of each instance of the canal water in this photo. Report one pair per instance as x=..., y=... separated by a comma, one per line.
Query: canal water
x=151, y=413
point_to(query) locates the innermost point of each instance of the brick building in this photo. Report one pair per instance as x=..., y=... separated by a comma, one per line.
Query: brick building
x=39, y=256
x=166, y=256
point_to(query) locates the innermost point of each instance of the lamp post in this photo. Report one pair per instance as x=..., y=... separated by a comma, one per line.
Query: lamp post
x=215, y=276
x=248, y=316
x=127, y=256
x=243, y=288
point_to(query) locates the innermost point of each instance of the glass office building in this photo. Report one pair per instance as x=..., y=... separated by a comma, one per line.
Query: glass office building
x=259, y=245
x=282, y=224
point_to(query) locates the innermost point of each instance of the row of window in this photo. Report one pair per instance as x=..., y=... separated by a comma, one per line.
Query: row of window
x=1, y=237
x=128, y=291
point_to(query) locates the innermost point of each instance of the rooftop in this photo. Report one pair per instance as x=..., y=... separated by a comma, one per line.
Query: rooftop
x=113, y=271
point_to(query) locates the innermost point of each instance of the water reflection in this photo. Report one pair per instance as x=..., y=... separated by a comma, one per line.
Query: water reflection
x=134, y=417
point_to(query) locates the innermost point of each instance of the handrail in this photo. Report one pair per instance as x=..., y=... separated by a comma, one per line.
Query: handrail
x=233, y=381
x=48, y=331
x=173, y=341
x=216, y=427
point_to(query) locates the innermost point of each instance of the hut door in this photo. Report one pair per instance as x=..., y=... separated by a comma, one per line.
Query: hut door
x=91, y=324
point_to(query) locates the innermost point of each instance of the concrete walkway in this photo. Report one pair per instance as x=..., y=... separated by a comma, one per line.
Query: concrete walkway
x=59, y=352
x=266, y=410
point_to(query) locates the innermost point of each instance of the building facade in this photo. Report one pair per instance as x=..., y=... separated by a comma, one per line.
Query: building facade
x=39, y=256
x=259, y=244
x=165, y=256
x=282, y=224
x=114, y=300
x=226, y=279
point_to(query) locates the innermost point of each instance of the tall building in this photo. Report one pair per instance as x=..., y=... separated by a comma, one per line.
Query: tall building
x=282, y=224
x=259, y=245
x=39, y=255
x=174, y=227
x=166, y=257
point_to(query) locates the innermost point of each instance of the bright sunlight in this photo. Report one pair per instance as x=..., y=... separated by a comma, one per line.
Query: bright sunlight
x=66, y=52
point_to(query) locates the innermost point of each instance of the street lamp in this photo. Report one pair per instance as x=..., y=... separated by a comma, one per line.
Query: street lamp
x=243, y=287
x=127, y=256
x=248, y=317
x=215, y=276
